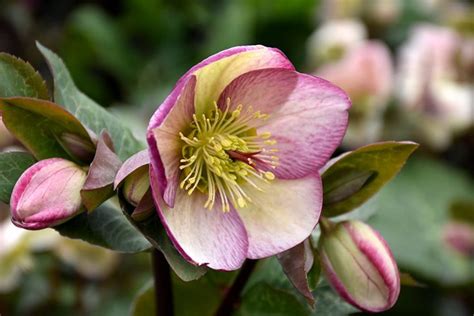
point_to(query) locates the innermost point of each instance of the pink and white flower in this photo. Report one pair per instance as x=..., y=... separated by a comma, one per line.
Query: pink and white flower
x=434, y=83
x=235, y=151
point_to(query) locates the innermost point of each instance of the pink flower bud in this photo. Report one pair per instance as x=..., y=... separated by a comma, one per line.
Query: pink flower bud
x=47, y=194
x=359, y=265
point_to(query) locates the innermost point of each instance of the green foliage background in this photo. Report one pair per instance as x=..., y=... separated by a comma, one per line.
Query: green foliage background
x=127, y=55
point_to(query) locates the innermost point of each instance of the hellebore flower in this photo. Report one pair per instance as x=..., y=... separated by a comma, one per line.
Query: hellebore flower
x=47, y=194
x=359, y=265
x=235, y=151
x=333, y=39
x=434, y=82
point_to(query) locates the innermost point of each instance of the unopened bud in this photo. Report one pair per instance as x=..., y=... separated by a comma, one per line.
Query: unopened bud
x=47, y=194
x=78, y=147
x=359, y=265
x=135, y=185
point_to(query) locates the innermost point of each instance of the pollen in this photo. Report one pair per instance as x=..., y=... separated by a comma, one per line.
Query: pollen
x=222, y=152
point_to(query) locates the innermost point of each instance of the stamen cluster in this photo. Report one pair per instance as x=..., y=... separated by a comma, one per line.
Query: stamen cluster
x=222, y=150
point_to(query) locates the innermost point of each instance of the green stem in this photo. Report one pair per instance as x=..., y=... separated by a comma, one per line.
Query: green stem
x=325, y=225
x=233, y=294
x=163, y=285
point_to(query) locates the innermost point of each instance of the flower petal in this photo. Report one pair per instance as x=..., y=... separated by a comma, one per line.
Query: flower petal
x=165, y=144
x=219, y=70
x=130, y=165
x=202, y=236
x=271, y=57
x=308, y=115
x=281, y=216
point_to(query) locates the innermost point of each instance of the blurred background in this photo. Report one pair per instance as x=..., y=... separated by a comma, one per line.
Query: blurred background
x=407, y=65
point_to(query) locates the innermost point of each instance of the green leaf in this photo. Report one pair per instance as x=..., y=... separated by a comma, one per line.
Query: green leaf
x=356, y=176
x=263, y=299
x=314, y=273
x=269, y=271
x=12, y=165
x=203, y=296
x=41, y=126
x=144, y=302
x=86, y=110
x=198, y=297
x=412, y=212
x=18, y=78
x=106, y=227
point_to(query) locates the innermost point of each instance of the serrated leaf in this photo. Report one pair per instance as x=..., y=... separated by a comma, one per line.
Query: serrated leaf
x=356, y=176
x=19, y=79
x=12, y=165
x=106, y=227
x=40, y=126
x=91, y=114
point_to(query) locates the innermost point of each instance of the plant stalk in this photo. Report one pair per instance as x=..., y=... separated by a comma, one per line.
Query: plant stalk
x=163, y=285
x=232, y=297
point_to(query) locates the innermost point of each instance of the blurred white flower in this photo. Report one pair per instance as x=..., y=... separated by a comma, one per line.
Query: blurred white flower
x=432, y=82
x=332, y=40
x=16, y=246
x=90, y=261
x=380, y=11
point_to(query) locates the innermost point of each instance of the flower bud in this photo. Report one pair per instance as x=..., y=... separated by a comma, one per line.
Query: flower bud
x=359, y=265
x=47, y=194
x=136, y=185
x=78, y=147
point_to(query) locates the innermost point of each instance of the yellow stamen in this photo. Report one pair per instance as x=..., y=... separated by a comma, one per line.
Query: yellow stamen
x=222, y=150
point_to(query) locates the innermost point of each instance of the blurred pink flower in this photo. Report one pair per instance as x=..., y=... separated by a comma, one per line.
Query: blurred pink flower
x=365, y=72
x=432, y=84
x=460, y=237
x=235, y=151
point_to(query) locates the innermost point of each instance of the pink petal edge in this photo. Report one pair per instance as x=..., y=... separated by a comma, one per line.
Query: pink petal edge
x=308, y=115
x=136, y=161
x=215, y=250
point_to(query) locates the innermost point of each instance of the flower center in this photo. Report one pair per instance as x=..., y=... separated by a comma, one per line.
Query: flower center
x=223, y=151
